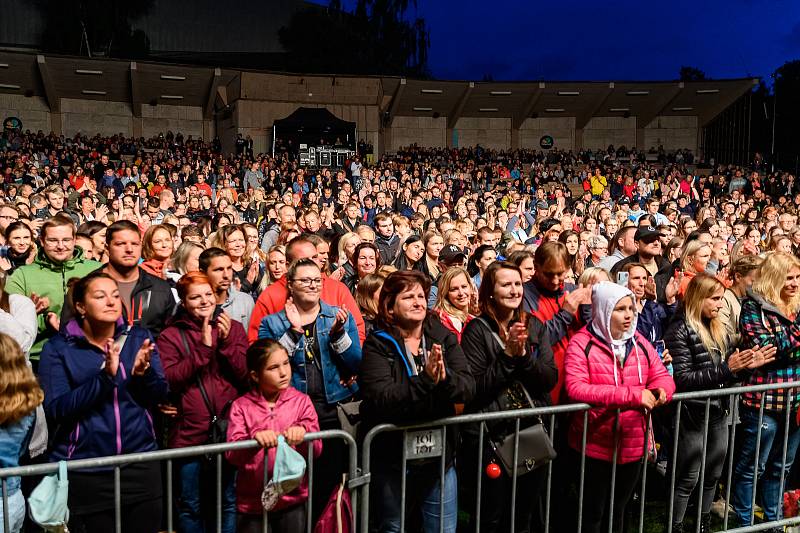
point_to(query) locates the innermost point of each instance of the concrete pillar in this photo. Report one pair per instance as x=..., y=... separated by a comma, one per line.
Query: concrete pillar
x=208, y=130
x=384, y=141
x=57, y=123
x=640, y=139
x=448, y=133
x=138, y=127
x=514, y=138
x=578, y=139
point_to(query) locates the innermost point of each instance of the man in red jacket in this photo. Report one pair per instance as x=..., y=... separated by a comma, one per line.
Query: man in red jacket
x=334, y=292
x=554, y=302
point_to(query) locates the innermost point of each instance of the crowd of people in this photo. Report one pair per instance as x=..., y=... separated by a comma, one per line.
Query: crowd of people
x=150, y=288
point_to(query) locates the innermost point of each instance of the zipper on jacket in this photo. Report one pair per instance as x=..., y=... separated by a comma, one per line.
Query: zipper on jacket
x=73, y=440
x=117, y=417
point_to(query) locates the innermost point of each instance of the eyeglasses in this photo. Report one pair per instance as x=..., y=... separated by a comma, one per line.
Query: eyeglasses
x=9, y=217
x=308, y=282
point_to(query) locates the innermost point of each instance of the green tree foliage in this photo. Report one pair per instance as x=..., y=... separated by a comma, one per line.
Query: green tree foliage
x=786, y=91
x=691, y=74
x=377, y=37
x=94, y=27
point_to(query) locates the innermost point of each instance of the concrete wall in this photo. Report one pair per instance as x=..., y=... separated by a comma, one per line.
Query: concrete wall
x=489, y=132
x=561, y=129
x=33, y=111
x=424, y=131
x=672, y=132
x=601, y=132
x=161, y=118
x=91, y=117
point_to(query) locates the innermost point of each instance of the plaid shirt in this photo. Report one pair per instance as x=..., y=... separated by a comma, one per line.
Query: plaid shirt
x=762, y=323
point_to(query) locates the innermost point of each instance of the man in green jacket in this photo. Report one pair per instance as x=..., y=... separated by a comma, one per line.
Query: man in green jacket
x=45, y=280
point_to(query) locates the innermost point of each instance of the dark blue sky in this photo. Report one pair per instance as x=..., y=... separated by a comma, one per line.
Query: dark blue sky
x=609, y=39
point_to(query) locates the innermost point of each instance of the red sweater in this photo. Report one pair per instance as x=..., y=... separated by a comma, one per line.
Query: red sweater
x=273, y=300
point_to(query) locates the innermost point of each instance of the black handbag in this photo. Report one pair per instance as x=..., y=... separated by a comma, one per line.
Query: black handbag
x=535, y=448
x=218, y=427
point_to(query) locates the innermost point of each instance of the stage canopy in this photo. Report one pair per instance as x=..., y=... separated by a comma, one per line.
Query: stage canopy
x=314, y=127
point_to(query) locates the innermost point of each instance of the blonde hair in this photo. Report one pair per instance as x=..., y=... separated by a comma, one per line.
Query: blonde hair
x=442, y=303
x=711, y=332
x=772, y=277
x=593, y=275
x=689, y=251
x=341, y=257
x=20, y=393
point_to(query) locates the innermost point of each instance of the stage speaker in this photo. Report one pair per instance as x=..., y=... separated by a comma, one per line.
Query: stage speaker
x=324, y=158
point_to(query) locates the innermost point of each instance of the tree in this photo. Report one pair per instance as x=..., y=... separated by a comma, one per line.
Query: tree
x=785, y=87
x=377, y=37
x=94, y=27
x=691, y=74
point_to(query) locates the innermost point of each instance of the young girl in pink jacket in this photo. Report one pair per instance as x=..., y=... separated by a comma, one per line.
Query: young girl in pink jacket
x=611, y=366
x=272, y=408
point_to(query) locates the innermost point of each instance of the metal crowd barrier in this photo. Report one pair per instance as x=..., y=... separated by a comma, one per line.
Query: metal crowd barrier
x=360, y=479
x=215, y=450
x=437, y=431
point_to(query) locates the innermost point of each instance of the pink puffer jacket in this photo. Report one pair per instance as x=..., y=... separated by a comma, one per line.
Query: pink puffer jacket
x=591, y=378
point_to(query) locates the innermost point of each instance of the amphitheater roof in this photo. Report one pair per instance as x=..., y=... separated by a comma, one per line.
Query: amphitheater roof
x=150, y=83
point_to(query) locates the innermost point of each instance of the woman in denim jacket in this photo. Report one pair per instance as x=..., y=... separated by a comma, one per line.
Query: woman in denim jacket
x=325, y=354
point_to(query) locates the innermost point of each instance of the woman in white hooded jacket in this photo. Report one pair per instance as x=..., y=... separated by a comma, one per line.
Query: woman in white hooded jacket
x=611, y=366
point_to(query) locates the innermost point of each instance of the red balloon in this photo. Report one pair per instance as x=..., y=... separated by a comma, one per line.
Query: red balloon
x=493, y=471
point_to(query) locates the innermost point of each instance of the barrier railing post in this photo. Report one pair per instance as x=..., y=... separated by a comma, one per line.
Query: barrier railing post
x=264, y=514
x=514, y=474
x=478, y=484
x=671, y=494
x=785, y=446
x=219, y=492
x=310, y=502
x=644, y=472
x=734, y=407
x=701, y=481
x=6, y=519
x=442, y=480
x=169, y=496
x=403, y=467
x=549, y=479
x=117, y=500
x=583, y=468
x=613, y=490
x=756, y=462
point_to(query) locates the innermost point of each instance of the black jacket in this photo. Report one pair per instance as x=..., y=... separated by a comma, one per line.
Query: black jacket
x=152, y=303
x=388, y=247
x=662, y=278
x=694, y=368
x=392, y=394
x=494, y=371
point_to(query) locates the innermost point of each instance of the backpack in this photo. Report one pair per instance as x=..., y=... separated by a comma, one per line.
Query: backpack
x=337, y=517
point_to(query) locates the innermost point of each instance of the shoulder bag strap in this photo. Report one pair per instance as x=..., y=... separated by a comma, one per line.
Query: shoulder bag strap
x=203, y=392
x=493, y=332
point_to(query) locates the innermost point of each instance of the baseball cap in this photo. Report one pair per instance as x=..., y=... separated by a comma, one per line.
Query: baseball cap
x=646, y=233
x=451, y=253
